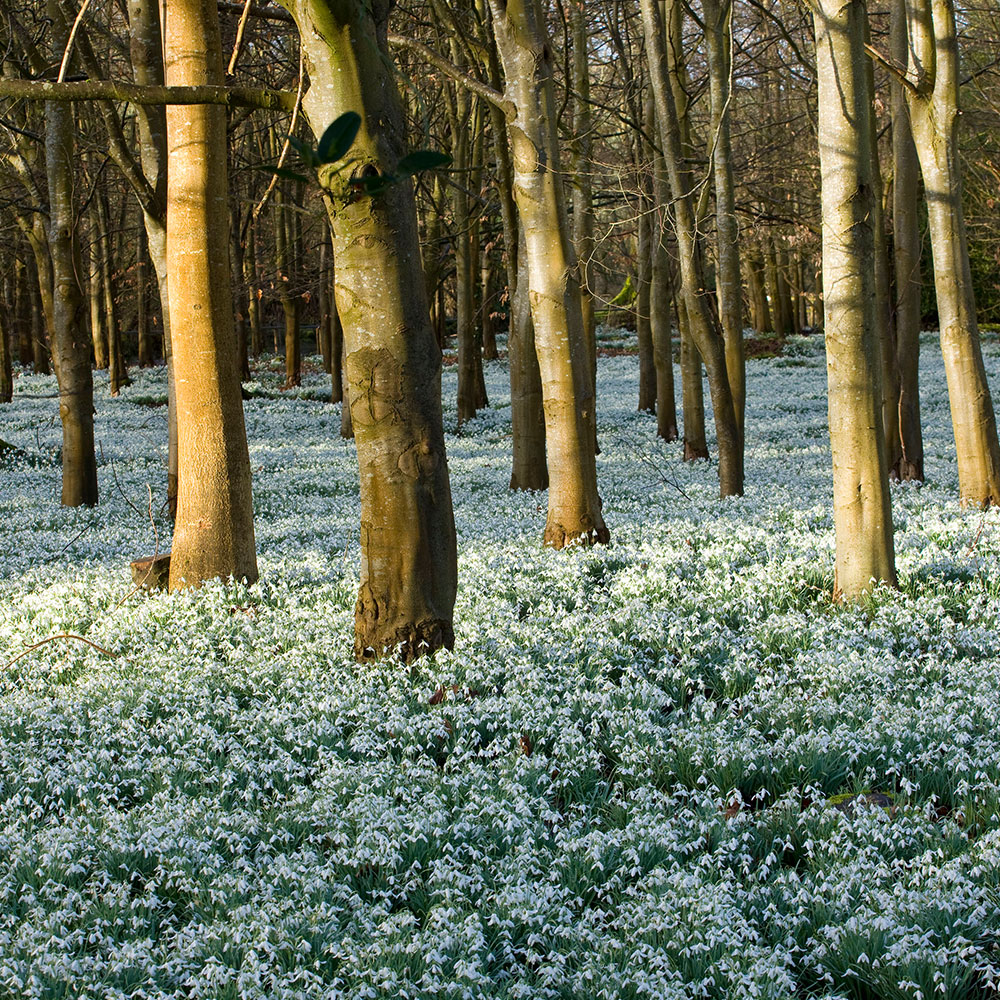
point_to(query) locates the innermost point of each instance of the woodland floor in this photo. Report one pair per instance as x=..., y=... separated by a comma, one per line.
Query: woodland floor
x=665, y=768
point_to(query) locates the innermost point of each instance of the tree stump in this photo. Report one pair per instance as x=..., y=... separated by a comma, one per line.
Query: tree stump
x=152, y=572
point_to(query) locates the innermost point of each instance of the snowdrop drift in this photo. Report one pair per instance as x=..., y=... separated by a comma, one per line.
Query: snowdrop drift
x=630, y=779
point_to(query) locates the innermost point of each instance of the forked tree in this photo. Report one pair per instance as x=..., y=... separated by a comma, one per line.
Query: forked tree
x=931, y=86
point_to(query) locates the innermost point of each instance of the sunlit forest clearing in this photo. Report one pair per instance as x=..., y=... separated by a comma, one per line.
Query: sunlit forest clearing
x=499, y=500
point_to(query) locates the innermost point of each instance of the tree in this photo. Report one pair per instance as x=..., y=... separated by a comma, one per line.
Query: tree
x=906, y=249
x=574, y=510
x=213, y=533
x=701, y=322
x=861, y=503
x=932, y=95
x=71, y=351
x=393, y=363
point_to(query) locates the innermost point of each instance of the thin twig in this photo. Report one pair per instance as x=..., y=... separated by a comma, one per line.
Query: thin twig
x=54, y=638
x=288, y=139
x=238, y=44
x=64, y=65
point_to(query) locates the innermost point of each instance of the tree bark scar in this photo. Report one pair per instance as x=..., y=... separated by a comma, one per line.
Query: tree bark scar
x=376, y=376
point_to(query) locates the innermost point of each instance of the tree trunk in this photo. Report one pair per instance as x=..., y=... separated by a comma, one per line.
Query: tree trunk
x=143, y=336
x=718, y=24
x=70, y=350
x=778, y=311
x=285, y=242
x=574, y=514
x=529, y=470
x=464, y=261
x=906, y=244
x=323, y=298
x=934, y=65
x=695, y=443
x=6, y=368
x=527, y=412
x=701, y=322
x=408, y=545
x=95, y=293
x=862, y=507
x=40, y=349
x=488, y=287
x=660, y=296
x=240, y=317
x=758, y=295
x=213, y=534
x=24, y=295
x=118, y=376
x=146, y=51
x=253, y=291
x=583, y=187
x=644, y=279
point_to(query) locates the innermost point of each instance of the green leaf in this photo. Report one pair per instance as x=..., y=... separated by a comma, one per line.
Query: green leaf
x=288, y=175
x=422, y=159
x=339, y=137
x=305, y=151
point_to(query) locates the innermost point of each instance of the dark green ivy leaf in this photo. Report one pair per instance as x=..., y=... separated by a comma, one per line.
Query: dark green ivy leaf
x=339, y=137
x=305, y=151
x=422, y=159
x=288, y=175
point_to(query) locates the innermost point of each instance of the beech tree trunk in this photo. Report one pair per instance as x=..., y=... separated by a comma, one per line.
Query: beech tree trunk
x=718, y=23
x=583, y=187
x=70, y=349
x=661, y=295
x=862, y=507
x=529, y=469
x=408, y=545
x=644, y=281
x=906, y=245
x=213, y=533
x=6, y=368
x=933, y=104
x=701, y=322
x=574, y=514
x=142, y=319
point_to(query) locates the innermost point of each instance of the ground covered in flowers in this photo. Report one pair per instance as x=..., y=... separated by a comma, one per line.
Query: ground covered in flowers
x=665, y=768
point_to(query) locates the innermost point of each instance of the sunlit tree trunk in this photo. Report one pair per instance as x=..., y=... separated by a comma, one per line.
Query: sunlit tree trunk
x=574, y=514
x=906, y=244
x=529, y=470
x=862, y=508
x=70, y=349
x=213, y=533
x=583, y=186
x=408, y=545
x=933, y=104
